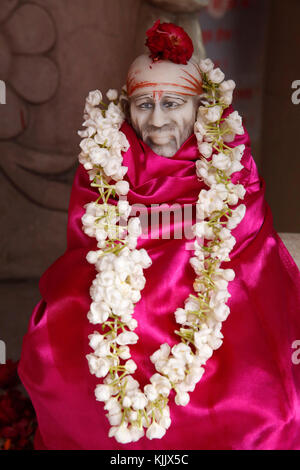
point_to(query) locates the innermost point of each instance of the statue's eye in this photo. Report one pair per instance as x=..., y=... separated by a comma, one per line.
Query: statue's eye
x=145, y=105
x=170, y=104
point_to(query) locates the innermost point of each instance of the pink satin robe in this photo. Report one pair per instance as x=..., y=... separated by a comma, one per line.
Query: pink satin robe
x=249, y=395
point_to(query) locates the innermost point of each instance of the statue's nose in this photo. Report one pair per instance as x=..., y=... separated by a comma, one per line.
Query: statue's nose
x=158, y=117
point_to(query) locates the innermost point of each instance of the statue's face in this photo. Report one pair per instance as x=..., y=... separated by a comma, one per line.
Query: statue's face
x=164, y=120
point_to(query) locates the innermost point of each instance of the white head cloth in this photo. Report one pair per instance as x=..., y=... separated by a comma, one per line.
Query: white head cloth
x=144, y=75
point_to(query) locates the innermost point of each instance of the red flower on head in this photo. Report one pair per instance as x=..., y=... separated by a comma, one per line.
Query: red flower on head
x=167, y=41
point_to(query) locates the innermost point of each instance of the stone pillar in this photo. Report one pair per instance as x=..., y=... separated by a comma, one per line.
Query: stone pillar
x=281, y=119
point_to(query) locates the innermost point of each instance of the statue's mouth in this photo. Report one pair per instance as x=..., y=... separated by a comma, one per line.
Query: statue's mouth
x=160, y=139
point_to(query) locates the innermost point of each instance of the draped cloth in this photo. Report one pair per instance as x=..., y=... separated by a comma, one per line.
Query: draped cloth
x=249, y=395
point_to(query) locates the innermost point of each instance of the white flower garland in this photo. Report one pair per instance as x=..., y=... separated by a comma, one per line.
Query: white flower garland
x=120, y=265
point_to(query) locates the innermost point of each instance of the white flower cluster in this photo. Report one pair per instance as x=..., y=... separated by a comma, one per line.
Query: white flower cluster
x=181, y=367
x=202, y=316
x=117, y=286
x=124, y=398
x=102, y=142
x=119, y=265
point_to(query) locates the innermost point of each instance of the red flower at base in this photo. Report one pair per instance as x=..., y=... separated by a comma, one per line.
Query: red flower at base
x=17, y=416
x=168, y=41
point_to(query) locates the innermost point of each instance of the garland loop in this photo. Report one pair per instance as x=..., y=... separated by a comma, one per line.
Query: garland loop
x=119, y=265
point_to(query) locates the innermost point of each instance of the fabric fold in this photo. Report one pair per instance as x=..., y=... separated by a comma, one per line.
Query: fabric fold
x=249, y=395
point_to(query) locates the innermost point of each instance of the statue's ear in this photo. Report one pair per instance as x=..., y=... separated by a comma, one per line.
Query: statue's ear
x=197, y=100
x=125, y=105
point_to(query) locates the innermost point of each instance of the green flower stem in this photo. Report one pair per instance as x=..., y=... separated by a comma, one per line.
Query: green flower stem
x=108, y=194
x=98, y=199
x=227, y=146
x=123, y=417
x=104, y=105
x=118, y=368
x=201, y=301
x=185, y=333
x=146, y=417
x=139, y=419
x=119, y=378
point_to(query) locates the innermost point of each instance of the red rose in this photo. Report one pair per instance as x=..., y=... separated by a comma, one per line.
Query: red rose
x=17, y=416
x=17, y=421
x=168, y=41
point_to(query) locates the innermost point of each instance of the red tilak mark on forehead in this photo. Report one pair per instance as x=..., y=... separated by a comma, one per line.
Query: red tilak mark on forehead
x=197, y=84
x=157, y=94
x=131, y=87
x=194, y=80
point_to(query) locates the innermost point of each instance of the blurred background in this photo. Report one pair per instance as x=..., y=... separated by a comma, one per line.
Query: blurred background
x=53, y=52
